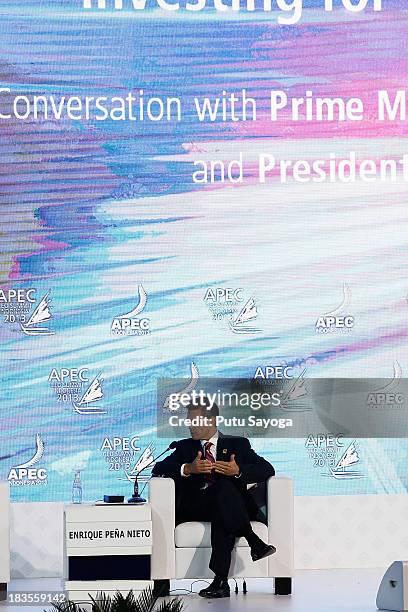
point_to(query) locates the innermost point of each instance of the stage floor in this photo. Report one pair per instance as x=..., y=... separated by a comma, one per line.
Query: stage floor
x=313, y=591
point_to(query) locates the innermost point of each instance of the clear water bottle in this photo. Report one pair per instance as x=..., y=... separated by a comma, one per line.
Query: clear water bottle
x=77, y=488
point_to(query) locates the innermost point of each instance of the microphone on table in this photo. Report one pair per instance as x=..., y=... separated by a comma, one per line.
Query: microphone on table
x=136, y=499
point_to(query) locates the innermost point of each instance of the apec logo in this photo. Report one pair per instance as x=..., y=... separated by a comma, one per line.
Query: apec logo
x=327, y=450
x=388, y=395
x=223, y=295
x=336, y=320
x=16, y=308
x=145, y=460
x=26, y=473
x=223, y=301
x=328, y=323
x=130, y=324
x=73, y=386
x=118, y=452
x=121, y=444
x=17, y=296
x=274, y=372
x=226, y=303
x=245, y=321
x=385, y=399
x=293, y=389
x=189, y=388
x=68, y=375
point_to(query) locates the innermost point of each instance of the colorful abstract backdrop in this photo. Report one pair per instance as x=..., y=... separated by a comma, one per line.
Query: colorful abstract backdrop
x=102, y=219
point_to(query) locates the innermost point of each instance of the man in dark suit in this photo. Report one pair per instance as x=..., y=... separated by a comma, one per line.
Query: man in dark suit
x=211, y=472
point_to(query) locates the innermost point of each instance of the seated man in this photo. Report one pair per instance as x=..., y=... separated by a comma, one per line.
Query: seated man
x=211, y=473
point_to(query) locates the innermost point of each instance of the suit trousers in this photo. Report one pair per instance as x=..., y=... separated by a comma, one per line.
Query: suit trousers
x=222, y=504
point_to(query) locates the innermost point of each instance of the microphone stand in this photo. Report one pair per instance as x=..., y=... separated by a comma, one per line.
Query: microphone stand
x=136, y=499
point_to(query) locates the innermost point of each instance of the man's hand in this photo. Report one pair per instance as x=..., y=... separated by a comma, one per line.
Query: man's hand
x=198, y=466
x=227, y=468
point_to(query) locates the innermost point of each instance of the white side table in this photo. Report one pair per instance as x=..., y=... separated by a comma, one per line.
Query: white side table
x=106, y=548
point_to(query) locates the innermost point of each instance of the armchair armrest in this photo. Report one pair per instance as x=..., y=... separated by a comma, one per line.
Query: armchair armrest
x=163, y=507
x=280, y=516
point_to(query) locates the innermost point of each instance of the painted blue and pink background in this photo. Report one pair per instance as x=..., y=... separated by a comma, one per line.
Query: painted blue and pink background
x=92, y=210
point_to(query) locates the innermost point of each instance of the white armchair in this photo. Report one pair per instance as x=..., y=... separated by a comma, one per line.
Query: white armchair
x=183, y=551
x=4, y=538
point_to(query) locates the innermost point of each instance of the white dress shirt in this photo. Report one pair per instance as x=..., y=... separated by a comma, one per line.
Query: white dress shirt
x=213, y=449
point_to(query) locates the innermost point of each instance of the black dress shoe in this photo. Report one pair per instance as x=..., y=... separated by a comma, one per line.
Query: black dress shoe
x=218, y=588
x=261, y=551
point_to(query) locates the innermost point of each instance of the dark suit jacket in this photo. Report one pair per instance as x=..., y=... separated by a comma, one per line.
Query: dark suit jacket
x=253, y=468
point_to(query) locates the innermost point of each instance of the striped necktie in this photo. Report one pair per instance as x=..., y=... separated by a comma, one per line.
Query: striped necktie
x=210, y=478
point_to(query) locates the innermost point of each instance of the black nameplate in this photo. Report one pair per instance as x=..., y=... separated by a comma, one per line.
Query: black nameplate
x=109, y=567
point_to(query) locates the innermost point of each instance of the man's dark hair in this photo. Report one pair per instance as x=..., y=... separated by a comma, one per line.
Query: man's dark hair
x=204, y=406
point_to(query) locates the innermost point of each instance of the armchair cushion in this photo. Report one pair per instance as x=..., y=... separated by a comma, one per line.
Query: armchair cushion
x=175, y=555
x=195, y=534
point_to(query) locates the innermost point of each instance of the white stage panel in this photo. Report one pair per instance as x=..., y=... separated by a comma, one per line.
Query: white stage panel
x=364, y=531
